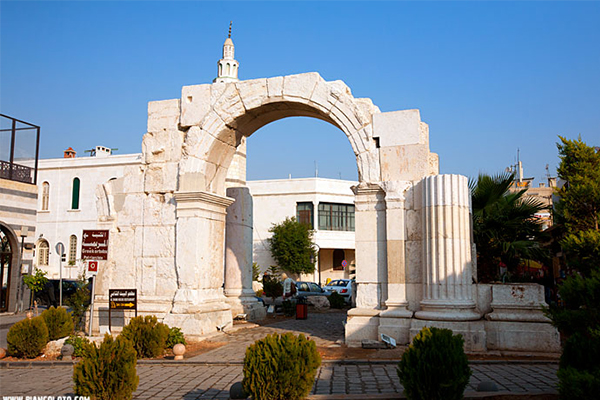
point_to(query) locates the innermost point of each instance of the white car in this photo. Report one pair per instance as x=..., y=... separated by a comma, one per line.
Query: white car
x=342, y=286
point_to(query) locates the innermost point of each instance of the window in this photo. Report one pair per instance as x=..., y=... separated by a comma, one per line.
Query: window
x=45, y=196
x=43, y=253
x=72, y=249
x=75, y=196
x=338, y=256
x=304, y=214
x=336, y=217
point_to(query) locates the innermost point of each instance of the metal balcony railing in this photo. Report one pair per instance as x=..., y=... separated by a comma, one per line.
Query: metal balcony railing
x=18, y=157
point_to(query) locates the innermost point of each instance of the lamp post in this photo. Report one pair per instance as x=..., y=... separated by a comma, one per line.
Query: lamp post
x=24, y=233
x=60, y=249
x=316, y=260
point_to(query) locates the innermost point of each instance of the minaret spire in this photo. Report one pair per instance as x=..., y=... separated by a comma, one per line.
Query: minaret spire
x=227, y=66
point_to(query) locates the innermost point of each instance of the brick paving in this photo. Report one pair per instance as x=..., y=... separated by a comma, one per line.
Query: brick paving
x=210, y=375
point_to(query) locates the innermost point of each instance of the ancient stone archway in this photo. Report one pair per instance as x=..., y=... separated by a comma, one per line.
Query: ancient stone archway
x=168, y=217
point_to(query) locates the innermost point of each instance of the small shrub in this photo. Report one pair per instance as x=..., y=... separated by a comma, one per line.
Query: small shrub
x=175, y=337
x=59, y=323
x=27, y=338
x=280, y=367
x=148, y=336
x=434, y=366
x=78, y=343
x=107, y=372
x=336, y=300
x=260, y=292
x=579, y=369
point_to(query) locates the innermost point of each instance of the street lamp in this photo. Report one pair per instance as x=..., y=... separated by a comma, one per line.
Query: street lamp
x=24, y=233
x=313, y=260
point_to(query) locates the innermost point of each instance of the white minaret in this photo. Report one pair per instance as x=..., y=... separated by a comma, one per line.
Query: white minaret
x=227, y=66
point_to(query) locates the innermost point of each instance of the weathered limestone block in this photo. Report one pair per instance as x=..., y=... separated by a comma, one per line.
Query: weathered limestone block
x=517, y=302
x=163, y=115
x=347, y=111
x=300, y=86
x=275, y=87
x=405, y=162
x=522, y=336
x=252, y=92
x=161, y=177
x=399, y=128
x=195, y=104
x=129, y=209
x=156, y=241
x=229, y=105
x=162, y=145
x=158, y=209
x=362, y=324
x=368, y=166
x=322, y=97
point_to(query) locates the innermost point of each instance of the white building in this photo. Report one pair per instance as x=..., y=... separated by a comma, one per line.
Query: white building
x=327, y=205
x=67, y=204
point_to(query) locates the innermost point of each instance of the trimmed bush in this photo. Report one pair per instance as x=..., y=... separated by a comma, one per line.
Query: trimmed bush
x=27, y=338
x=59, y=322
x=434, y=366
x=579, y=368
x=280, y=367
x=336, y=300
x=175, y=337
x=78, y=343
x=107, y=372
x=148, y=336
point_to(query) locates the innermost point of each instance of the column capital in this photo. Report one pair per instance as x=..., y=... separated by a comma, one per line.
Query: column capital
x=195, y=204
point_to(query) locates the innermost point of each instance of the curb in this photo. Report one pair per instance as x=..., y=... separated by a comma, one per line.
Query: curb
x=59, y=363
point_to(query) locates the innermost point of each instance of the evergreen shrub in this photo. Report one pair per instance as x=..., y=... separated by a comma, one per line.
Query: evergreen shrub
x=336, y=300
x=148, y=336
x=175, y=337
x=280, y=367
x=107, y=372
x=27, y=338
x=434, y=367
x=579, y=369
x=78, y=343
x=59, y=322
x=79, y=302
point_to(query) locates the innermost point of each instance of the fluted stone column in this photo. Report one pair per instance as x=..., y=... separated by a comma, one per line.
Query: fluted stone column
x=447, y=288
x=238, y=256
x=199, y=305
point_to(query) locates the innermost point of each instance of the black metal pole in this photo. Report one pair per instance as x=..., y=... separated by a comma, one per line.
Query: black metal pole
x=12, y=148
x=37, y=154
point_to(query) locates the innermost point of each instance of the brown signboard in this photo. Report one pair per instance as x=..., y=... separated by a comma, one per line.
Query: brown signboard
x=122, y=299
x=94, y=245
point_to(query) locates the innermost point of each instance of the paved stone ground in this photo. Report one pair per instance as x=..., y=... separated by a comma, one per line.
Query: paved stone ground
x=208, y=376
x=213, y=381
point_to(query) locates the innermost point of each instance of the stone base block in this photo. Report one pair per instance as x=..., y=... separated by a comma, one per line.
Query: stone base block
x=473, y=332
x=253, y=309
x=522, y=336
x=206, y=320
x=362, y=324
x=395, y=323
x=119, y=318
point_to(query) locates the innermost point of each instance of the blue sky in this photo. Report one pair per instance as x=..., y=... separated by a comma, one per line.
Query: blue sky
x=488, y=77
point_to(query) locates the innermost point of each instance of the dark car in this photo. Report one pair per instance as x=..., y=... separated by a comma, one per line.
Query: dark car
x=50, y=295
x=310, y=289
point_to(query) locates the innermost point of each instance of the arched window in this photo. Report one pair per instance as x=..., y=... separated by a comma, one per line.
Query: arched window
x=227, y=69
x=72, y=249
x=45, y=196
x=75, y=196
x=43, y=253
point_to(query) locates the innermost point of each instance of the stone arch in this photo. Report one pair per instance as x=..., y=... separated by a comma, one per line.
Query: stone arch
x=216, y=117
x=11, y=258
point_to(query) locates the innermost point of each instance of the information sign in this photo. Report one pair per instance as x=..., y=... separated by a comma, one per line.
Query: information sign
x=122, y=299
x=94, y=245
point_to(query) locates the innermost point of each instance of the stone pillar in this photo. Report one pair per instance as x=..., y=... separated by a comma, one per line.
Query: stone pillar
x=199, y=306
x=447, y=287
x=238, y=256
x=395, y=320
x=371, y=264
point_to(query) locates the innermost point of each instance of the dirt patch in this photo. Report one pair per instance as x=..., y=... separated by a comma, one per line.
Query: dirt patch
x=358, y=353
x=193, y=349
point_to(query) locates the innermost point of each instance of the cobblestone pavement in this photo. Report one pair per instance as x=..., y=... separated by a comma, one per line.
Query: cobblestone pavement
x=213, y=381
x=326, y=329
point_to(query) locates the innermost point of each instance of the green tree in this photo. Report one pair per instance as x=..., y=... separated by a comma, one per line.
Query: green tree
x=35, y=283
x=292, y=246
x=578, y=317
x=505, y=229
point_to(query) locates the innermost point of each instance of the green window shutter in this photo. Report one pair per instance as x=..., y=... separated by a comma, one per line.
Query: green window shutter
x=75, y=197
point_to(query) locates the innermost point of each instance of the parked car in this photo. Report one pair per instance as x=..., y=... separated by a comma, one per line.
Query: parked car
x=310, y=289
x=342, y=286
x=50, y=295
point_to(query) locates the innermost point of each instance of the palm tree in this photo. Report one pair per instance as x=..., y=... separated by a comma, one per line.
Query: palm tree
x=505, y=229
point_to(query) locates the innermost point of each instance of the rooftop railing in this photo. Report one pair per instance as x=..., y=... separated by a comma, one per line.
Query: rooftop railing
x=19, y=150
